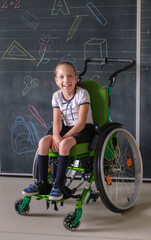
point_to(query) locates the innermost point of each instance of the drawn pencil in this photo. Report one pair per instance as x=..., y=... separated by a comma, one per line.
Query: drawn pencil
x=35, y=113
x=74, y=27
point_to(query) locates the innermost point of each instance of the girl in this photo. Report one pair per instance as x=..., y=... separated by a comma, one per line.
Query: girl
x=72, y=105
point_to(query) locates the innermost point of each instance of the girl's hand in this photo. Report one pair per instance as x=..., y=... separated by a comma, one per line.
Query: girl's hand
x=55, y=143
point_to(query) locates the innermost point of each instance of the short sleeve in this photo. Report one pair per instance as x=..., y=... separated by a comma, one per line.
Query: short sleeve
x=84, y=97
x=55, y=103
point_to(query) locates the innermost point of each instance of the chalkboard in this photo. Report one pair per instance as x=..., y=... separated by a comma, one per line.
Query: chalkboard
x=146, y=87
x=36, y=35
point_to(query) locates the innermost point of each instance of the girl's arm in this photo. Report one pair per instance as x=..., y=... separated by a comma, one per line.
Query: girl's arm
x=83, y=112
x=57, y=126
x=57, y=121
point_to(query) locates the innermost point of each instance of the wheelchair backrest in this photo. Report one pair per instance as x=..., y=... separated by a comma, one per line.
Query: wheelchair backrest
x=99, y=101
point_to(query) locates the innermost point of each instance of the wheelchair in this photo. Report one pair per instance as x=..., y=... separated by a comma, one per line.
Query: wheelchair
x=112, y=161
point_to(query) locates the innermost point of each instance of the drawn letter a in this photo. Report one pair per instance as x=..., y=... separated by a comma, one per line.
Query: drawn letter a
x=60, y=5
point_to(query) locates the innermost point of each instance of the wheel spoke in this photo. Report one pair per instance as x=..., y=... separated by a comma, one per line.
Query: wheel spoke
x=120, y=161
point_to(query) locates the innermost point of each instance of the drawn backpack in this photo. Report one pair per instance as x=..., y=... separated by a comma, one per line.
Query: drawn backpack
x=24, y=136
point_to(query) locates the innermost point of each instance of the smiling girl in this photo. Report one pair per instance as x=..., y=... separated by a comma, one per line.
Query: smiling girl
x=71, y=104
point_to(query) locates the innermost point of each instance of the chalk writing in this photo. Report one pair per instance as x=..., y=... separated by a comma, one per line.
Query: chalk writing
x=30, y=83
x=14, y=4
x=74, y=27
x=60, y=6
x=97, y=14
x=24, y=136
x=35, y=113
x=16, y=51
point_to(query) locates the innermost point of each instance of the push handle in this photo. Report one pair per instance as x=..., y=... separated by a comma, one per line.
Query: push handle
x=104, y=61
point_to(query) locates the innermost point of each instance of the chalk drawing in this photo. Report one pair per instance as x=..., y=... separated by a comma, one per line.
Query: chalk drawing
x=30, y=83
x=30, y=20
x=42, y=58
x=95, y=76
x=35, y=113
x=96, y=48
x=45, y=46
x=60, y=6
x=97, y=14
x=24, y=136
x=46, y=42
x=74, y=27
x=69, y=58
x=16, y=51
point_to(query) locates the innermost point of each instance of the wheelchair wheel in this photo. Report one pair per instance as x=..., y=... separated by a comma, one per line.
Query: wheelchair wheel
x=35, y=170
x=118, y=169
x=18, y=204
x=68, y=222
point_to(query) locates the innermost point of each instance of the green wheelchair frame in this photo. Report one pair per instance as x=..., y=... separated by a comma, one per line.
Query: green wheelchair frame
x=112, y=160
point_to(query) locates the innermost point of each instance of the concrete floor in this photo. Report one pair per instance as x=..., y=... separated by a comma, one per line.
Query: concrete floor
x=97, y=221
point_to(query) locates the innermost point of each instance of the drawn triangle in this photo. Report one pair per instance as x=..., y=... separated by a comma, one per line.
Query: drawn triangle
x=16, y=51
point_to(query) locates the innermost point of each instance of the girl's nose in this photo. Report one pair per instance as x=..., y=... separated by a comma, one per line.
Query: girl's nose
x=66, y=78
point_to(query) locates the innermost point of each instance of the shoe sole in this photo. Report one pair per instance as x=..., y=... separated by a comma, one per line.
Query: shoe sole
x=30, y=194
x=56, y=198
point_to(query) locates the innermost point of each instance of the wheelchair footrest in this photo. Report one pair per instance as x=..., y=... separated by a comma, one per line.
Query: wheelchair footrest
x=55, y=205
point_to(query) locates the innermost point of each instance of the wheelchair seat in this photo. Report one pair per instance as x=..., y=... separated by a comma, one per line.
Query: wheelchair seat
x=99, y=105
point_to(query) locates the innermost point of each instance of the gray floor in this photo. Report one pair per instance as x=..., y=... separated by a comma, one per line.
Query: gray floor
x=97, y=221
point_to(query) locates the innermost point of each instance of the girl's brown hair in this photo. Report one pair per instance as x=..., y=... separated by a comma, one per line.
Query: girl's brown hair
x=66, y=63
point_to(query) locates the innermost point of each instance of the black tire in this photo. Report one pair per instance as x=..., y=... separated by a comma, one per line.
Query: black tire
x=118, y=181
x=24, y=211
x=68, y=222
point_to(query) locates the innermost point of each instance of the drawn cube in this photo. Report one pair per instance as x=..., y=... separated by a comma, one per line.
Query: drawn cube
x=95, y=48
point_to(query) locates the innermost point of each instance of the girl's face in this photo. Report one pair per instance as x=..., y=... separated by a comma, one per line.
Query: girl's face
x=66, y=79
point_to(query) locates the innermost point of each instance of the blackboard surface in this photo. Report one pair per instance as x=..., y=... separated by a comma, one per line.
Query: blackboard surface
x=36, y=35
x=146, y=87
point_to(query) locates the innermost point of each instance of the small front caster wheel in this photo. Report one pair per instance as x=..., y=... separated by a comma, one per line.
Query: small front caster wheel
x=18, y=206
x=68, y=222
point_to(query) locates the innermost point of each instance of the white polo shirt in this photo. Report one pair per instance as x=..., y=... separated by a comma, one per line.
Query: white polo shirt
x=70, y=109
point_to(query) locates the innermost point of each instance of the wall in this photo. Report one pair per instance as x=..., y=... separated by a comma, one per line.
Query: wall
x=36, y=35
x=145, y=87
